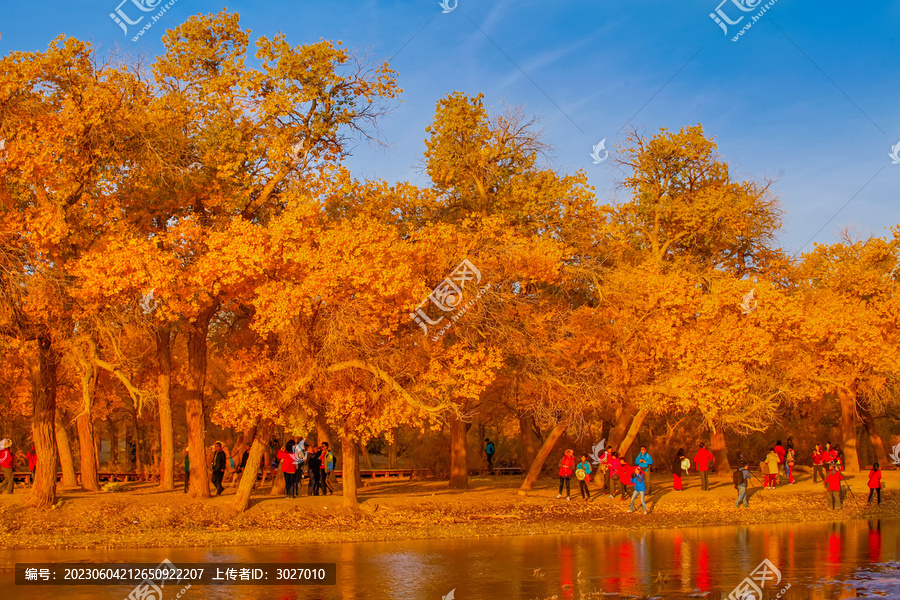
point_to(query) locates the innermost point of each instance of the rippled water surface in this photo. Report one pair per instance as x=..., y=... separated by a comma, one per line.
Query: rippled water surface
x=853, y=559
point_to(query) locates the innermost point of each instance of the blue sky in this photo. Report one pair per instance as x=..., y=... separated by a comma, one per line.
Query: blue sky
x=808, y=95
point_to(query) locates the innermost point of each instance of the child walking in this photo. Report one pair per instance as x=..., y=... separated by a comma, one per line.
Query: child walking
x=584, y=477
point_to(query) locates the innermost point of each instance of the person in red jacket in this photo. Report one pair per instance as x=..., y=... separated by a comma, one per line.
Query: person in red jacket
x=566, y=470
x=829, y=455
x=31, y=457
x=613, y=471
x=286, y=456
x=874, y=483
x=833, y=485
x=702, y=460
x=6, y=463
x=818, y=458
x=625, y=473
x=677, y=471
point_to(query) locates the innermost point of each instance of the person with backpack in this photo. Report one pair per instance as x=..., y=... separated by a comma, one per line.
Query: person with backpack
x=286, y=457
x=702, y=459
x=741, y=479
x=329, y=460
x=301, y=459
x=566, y=469
x=218, y=468
x=638, y=481
x=489, y=450
x=6, y=464
x=583, y=474
x=874, y=483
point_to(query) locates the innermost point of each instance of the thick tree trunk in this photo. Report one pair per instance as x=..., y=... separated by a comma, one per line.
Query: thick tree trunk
x=366, y=458
x=527, y=439
x=720, y=453
x=248, y=477
x=90, y=480
x=350, y=471
x=624, y=417
x=360, y=448
x=194, y=384
x=323, y=434
x=632, y=432
x=848, y=431
x=459, y=468
x=66, y=461
x=278, y=487
x=865, y=416
x=164, y=396
x=87, y=445
x=43, y=417
x=535, y=470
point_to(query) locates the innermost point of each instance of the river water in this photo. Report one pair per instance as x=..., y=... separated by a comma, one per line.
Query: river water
x=849, y=559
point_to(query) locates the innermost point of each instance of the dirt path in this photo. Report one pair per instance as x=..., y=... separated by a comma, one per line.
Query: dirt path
x=143, y=517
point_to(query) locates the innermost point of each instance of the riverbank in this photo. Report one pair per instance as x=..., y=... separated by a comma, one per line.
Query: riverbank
x=140, y=516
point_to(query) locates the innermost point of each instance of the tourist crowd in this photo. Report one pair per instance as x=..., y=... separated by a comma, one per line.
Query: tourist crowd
x=614, y=475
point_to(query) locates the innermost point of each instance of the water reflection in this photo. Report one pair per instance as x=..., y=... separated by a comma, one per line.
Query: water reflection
x=852, y=559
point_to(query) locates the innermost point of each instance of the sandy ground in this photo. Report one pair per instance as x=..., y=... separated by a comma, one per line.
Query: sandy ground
x=141, y=516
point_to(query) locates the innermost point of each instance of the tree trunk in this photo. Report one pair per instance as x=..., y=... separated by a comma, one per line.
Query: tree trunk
x=848, y=431
x=278, y=487
x=392, y=450
x=358, y=474
x=865, y=416
x=720, y=453
x=535, y=470
x=527, y=439
x=90, y=480
x=43, y=417
x=163, y=392
x=113, y=443
x=322, y=432
x=350, y=471
x=459, y=468
x=248, y=477
x=194, y=384
x=87, y=445
x=69, y=480
x=366, y=459
x=633, y=429
x=624, y=417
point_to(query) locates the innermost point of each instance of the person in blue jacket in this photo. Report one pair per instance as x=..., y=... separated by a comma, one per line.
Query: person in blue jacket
x=638, y=480
x=645, y=461
x=585, y=466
